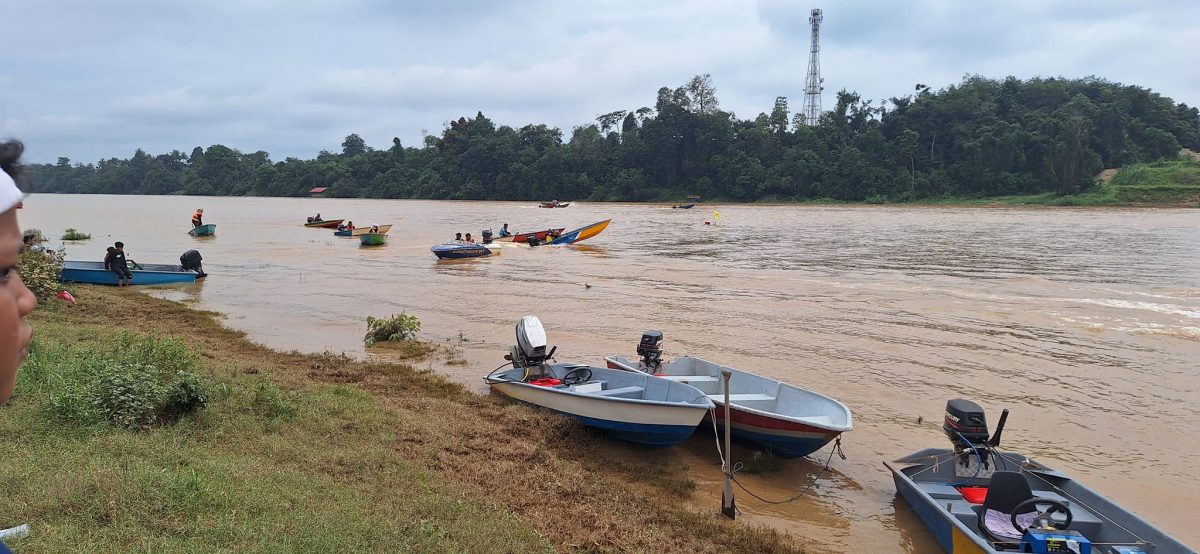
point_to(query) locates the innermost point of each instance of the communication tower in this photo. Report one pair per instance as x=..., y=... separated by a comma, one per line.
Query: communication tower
x=814, y=84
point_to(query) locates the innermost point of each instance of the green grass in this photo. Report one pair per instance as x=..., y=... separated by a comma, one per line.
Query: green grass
x=260, y=469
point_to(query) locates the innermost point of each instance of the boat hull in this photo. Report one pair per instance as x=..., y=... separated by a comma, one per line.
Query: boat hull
x=343, y=233
x=372, y=239
x=784, y=419
x=464, y=250
x=203, y=230
x=540, y=235
x=661, y=413
x=583, y=233
x=325, y=223
x=150, y=274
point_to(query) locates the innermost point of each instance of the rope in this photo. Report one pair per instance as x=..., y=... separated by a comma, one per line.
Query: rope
x=837, y=449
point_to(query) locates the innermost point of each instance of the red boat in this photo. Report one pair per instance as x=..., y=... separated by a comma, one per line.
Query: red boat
x=554, y=204
x=324, y=223
x=540, y=235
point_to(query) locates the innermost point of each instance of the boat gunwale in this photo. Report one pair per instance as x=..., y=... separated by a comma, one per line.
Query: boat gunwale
x=665, y=403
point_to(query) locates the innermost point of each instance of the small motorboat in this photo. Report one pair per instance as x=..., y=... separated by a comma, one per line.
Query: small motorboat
x=631, y=406
x=683, y=207
x=94, y=273
x=784, y=419
x=454, y=250
x=324, y=223
x=583, y=233
x=539, y=235
x=370, y=229
x=344, y=233
x=977, y=498
x=372, y=239
x=203, y=230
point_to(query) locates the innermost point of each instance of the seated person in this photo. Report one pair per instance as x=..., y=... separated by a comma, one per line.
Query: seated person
x=468, y=239
x=504, y=231
x=349, y=225
x=457, y=237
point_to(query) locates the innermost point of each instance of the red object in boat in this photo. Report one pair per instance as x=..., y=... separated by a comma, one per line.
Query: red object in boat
x=546, y=382
x=66, y=296
x=540, y=235
x=974, y=495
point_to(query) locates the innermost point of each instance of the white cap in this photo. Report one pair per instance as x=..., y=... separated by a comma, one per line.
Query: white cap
x=10, y=195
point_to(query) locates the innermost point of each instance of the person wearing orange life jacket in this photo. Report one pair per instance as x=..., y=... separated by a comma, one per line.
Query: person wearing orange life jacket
x=197, y=217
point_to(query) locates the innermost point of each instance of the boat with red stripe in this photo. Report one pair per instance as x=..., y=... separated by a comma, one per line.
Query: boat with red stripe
x=787, y=420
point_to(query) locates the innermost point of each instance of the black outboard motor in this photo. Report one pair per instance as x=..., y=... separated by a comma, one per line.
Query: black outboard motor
x=532, y=241
x=191, y=260
x=966, y=427
x=487, y=236
x=650, y=349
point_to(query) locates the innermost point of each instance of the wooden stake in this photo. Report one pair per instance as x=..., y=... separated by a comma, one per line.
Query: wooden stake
x=727, y=505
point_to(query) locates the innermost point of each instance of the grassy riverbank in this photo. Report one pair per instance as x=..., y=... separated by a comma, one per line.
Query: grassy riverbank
x=323, y=454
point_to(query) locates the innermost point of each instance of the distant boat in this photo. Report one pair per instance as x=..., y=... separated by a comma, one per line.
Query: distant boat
x=457, y=250
x=582, y=233
x=203, y=230
x=372, y=239
x=144, y=274
x=683, y=207
x=330, y=223
x=370, y=229
x=554, y=204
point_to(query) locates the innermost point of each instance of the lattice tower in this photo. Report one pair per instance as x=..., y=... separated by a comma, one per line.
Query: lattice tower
x=814, y=84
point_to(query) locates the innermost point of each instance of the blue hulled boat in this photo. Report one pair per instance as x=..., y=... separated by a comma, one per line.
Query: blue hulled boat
x=456, y=250
x=144, y=274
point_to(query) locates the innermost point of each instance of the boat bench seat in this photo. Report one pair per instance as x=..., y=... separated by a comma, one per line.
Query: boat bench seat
x=742, y=397
x=623, y=392
x=691, y=378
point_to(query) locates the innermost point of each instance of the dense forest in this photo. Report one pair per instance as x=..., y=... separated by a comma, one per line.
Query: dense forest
x=981, y=137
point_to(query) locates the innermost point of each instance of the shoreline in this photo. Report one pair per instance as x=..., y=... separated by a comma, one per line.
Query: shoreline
x=483, y=474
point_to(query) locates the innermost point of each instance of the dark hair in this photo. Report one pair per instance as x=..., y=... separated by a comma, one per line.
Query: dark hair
x=111, y=250
x=10, y=158
x=119, y=244
x=28, y=238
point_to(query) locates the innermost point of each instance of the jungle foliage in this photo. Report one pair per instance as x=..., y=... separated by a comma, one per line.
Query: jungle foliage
x=981, y=137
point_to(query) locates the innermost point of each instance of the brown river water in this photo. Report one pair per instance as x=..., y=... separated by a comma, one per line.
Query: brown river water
x=1084, y=322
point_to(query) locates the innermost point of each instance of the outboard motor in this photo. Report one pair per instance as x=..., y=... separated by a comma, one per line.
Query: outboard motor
x=530, y=351
x=650, y=350
x=966, y=427
x=487, y=236
x=190, y=260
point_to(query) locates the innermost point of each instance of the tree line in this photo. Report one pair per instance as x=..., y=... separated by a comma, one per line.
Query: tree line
x=980, y=137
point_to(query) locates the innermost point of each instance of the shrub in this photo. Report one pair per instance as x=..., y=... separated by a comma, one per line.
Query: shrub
x=273, y=402
x=40, y=270
x=72, y=234
x=399, y=327
x=139, y=382
x=38, y=235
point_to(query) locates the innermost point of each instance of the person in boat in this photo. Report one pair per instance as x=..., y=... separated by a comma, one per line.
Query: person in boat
x=468, y=239
x=349, y=225
x=457, y=237
x=198, y=217
x=374, y=228
x=317, y=218
x=16, y=301
x=504, y=231
x=117, y=263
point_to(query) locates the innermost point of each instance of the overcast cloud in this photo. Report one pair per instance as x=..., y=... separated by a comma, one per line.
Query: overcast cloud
x=91, y=80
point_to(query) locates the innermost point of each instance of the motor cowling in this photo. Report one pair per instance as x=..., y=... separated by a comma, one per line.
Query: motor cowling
x=487, y=236
x=649, y=349
x=531, y=339
x=190, y=260
x=965, y=424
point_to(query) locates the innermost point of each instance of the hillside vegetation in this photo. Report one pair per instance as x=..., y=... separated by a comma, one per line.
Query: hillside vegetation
x=980, y=138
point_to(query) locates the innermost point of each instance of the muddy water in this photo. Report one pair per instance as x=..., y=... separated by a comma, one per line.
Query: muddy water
x=1085, y=323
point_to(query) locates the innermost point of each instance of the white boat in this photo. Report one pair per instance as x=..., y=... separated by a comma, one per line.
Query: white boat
x=635, y=407
x=785, y=419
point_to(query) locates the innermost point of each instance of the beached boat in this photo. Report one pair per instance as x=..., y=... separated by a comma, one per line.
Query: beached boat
x=456, y=249
x=372, y=239
x=203, y=230
x=324, y=223
x=631, y=406
x=539, y=235
x=976, y=498
x=785, y=419
x=582, y=233
x=143, y=274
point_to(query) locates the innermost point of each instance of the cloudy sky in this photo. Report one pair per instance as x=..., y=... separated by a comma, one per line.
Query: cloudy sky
x=94, y=79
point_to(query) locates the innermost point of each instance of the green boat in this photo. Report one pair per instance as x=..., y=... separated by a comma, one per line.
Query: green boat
x=372, y=239
x=203, y=230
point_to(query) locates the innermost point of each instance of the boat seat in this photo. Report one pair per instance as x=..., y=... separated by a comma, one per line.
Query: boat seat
x=623, y=392
x=742, y=397
x=691, y=378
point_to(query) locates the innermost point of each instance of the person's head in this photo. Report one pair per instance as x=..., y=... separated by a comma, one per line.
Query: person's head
x=468, y=236
x=505, y=225
x=457, y=236
x=16, y=301
x=120, y=246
